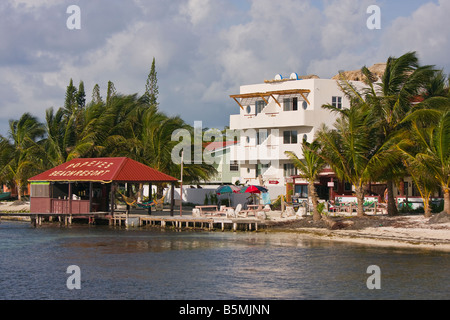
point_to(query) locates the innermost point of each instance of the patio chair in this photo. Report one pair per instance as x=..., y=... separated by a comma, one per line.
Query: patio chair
x=230, y=213
x=238, y=212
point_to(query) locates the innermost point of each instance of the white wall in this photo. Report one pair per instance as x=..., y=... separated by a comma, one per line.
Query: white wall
x=197, y=196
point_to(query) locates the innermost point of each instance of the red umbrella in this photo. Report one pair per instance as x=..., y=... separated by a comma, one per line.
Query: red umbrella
x=254, y=189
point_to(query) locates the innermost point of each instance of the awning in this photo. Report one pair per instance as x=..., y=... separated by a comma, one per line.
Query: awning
x=103, y=170
x=249, y=98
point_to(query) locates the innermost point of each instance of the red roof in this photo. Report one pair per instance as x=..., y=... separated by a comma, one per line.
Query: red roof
x=219, y=144
x=104, y=170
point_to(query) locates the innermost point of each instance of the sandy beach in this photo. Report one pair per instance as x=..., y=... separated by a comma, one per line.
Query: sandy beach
x=412, y=231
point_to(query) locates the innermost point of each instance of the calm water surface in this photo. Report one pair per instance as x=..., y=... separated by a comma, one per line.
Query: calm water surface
x=158, y=264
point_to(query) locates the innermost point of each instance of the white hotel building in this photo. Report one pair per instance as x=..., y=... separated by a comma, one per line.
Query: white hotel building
x=275, y=116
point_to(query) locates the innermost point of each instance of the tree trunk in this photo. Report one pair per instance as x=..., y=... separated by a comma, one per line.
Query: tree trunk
x=392, y=207
x=427, y=208
x=312, y=191
x=19, y=188
x=447, y=200
x=360, y=201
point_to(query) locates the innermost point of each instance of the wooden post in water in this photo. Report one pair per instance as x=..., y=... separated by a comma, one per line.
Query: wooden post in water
x=150, y=198
x=172, y=199
x=90, y=196
x=112, y=196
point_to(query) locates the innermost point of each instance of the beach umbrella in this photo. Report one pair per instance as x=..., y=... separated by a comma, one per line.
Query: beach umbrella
x=228, y=189
x=253, y=189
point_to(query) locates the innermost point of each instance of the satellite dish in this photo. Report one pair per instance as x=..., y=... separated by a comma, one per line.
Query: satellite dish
x=294, y=76
x=278, y=77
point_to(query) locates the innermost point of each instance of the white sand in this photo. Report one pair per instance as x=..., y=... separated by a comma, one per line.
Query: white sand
x=10, y=206
x=411, y=231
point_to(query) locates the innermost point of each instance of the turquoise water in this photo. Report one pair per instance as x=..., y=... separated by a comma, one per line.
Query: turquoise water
x=162, y=264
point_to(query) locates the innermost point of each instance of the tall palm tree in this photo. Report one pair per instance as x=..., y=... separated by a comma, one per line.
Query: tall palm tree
x=390, y=101
x=132, y=128
x=426, y=148
x=20, y=157
x=309, y=168
x=352, y=148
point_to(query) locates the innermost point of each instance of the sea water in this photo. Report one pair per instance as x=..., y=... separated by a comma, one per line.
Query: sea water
x=150, y=263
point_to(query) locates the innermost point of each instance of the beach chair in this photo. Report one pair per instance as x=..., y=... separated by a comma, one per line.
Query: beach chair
x=230, y=213
x=239, y=213
x=262, y=214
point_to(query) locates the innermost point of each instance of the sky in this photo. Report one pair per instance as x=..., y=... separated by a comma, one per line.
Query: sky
x=204, y=49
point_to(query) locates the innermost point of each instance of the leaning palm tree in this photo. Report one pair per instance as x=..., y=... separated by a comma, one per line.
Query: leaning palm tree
x=426, y=148
x=309, y=168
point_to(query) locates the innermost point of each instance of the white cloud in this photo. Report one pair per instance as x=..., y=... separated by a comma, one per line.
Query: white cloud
x=204, y=49
x=425, y=31
x=196, y=10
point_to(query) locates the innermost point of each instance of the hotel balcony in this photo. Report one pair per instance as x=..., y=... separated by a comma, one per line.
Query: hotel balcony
x=278, y=119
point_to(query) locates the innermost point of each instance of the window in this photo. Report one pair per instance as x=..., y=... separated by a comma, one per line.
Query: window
x=259, y=106
x=40, y=190
x=290, y=137
x=261, y=136
x=289, y=170
x=301, y=190
x=234, y=166
x=290, y=104
x=336, y=102
x=248, y=109
x=305, y=105
x=262, y=168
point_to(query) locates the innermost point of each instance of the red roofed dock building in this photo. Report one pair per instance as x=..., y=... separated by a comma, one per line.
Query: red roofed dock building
x=89, y=185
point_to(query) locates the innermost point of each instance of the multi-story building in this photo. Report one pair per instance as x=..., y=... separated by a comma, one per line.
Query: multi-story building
x=227, y=172
x=275, y=116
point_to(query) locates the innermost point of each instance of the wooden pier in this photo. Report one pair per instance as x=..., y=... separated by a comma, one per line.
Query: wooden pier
x=189, y=222
x=131, y=220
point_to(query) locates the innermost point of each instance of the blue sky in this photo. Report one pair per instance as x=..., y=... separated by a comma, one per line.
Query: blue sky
x=204, y=49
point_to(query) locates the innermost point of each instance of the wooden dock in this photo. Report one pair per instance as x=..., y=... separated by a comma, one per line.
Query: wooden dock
x=135, y=220
x=189, y=222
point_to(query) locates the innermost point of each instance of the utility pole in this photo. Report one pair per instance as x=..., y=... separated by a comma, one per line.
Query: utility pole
x=181, y=185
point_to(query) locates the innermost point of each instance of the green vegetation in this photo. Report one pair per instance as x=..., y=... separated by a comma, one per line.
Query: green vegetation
x=396, y=126
x=122, y=126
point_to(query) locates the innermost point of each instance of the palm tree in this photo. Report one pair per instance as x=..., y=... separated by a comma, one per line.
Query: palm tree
x=426, y=148
x=309, y=168
x=352, y=149
x=345, y=149
x=130, y=127
x=20, y=154
x=390, y=101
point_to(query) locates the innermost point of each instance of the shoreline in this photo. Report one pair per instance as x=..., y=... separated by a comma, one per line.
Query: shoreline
x=374, y=240
x=403, y=231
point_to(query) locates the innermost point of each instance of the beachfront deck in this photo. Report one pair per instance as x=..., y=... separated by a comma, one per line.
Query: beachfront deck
x=200, y=217
x=137, y=218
